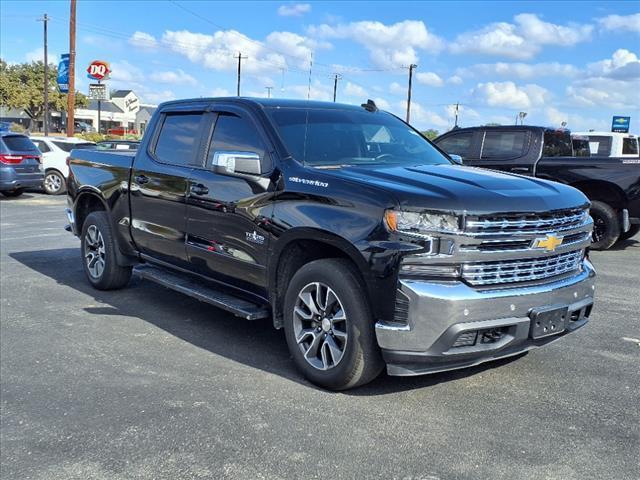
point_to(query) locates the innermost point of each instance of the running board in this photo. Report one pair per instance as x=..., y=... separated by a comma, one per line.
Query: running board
x=195, y=288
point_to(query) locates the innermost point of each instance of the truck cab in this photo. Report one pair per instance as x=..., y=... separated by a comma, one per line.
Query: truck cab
x=610, y=144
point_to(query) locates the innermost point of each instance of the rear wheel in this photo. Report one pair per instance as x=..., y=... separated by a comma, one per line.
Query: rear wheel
x=329, y=327
x=98, y=249
x=632, y=232
x=606, y=225
x=54, y=183
x=13, y=193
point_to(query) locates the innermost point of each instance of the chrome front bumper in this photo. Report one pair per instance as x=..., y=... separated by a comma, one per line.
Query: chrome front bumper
x=439, y=312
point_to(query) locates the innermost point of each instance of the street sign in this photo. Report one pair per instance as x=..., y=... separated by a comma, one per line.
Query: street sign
x=98, y=70
x=98, y=91
x=620, y=124
x=63, y=73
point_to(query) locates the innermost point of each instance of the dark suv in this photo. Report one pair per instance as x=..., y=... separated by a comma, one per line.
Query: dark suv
x=20, y=165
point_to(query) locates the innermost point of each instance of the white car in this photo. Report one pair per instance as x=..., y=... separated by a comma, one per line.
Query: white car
x=55, y=151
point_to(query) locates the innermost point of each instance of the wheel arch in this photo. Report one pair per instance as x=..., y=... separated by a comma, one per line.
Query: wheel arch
x=602, y=191
x=300, y=246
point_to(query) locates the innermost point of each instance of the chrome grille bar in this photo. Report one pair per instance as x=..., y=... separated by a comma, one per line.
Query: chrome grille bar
x=530, y=223
x=514, y=271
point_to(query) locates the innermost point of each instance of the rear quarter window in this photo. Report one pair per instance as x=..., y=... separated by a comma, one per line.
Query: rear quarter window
x=557, y=143
x=178, y=138
x=600, y=145
x=630, y=146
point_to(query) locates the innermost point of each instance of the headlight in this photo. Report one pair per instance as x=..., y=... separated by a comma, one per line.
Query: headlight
x=421, y=224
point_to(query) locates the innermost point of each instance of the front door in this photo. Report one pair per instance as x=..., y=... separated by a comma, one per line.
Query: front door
x=159, y=186
x=228, y=214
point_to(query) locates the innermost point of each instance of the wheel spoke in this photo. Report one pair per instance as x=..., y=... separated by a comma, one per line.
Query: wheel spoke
x=312, y=351
x=309, y=301
x=304, y=334
x=324, y=356
x=336, y=353
x=339, y=334
x=302, y=314
x=339, y=316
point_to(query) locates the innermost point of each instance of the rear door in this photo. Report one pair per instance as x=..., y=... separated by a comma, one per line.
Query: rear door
x=228, y=213
x=160, y=182
x=507, y=150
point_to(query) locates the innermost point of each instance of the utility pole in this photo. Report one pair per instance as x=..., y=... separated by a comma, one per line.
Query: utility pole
x=456, y=123
x=336, y=77
x=45, y=120
x=71, y=96
x=411, y=67
x=240, y=58
x=269, y=91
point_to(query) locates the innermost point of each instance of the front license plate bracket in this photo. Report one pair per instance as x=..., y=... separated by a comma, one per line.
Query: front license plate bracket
x=548, y=321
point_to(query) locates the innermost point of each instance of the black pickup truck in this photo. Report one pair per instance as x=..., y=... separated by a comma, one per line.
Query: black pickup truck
x=612, y=184
x=344, y=226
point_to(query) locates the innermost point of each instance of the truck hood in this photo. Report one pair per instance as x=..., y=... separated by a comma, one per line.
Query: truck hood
x=462, y=189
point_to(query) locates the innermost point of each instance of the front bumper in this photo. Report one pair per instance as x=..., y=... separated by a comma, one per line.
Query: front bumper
x=441, y=313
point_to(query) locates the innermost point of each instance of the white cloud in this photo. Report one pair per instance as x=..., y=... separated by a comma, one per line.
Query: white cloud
x=318, y=91
x=124, y=72
x=510, y=95
x=623, y=64
x=143, y=40
x=389, y=46
x=218, y=51
x=520, y=40
x=455, y=80
x=429, y=78
x=178, y=77
x=355, y=90
x=621, y=23
x=573, y=121
x=604, y=92
x=381, y=103
x=37, y=55
x=520, y=70
x=397, y=89
x=420, y=117
x=294, y=9
x=220, y=92
x=156, y=97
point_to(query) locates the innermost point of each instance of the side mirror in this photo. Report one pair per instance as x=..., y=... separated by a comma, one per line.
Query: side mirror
x=238, y=162
x=456, y=158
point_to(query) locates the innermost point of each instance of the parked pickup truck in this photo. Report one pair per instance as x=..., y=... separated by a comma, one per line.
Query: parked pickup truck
x=344, y=226
x=611, y=184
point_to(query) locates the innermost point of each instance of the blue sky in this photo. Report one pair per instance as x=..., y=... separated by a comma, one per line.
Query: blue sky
x=574, y=62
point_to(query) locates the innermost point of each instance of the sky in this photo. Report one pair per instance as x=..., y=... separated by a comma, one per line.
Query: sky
x=574, y=62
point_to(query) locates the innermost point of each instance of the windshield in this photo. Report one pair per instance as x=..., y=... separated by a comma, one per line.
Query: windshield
x=351, y=137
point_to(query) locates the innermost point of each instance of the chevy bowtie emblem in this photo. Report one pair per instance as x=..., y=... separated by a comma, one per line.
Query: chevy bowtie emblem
x=549, y=243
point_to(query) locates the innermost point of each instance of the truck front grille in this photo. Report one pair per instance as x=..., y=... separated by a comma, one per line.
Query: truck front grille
x=529, y=223
x=526, y=270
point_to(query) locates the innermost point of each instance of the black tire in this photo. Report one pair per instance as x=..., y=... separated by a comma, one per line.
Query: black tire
x=13, y=193
x=360, y=360
x=606, y=226
x=54, y=183
x=97, y=240
x=631, y=233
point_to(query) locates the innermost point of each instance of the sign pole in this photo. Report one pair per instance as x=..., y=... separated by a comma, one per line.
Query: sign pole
x=71, y=99
x=99, y=110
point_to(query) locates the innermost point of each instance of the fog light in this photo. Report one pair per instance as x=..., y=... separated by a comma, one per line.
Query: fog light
x=466, y=339
x=425, y=270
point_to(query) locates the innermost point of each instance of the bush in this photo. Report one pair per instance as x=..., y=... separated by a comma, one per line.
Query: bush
x=92, y=136
x=16, y=127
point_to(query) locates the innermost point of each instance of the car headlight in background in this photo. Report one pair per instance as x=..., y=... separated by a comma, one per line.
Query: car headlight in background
x=421, y=224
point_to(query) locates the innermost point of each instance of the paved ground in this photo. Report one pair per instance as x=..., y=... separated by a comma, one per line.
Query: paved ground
x=145, y=383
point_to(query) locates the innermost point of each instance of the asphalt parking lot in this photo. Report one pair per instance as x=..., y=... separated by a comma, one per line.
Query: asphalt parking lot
x=145, y=383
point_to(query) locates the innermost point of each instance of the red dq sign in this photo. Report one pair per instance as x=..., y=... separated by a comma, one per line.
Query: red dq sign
x=98, y=70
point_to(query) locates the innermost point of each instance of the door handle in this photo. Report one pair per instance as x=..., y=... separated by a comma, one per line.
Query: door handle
x=520, y=169
x=199, y=189
x=141, y=179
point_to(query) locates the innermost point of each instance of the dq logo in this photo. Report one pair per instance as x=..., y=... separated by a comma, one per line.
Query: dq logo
x=98, y=70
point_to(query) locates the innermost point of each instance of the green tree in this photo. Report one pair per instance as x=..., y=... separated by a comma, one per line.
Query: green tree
x=21, y=87
x=430, y=134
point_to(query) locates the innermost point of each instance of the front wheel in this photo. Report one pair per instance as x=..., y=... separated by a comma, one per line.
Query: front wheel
x=329, y=327
x=54, y=183
x=99, y=254
x=606, y=226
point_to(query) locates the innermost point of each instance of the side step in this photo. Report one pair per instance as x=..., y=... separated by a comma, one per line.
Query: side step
x=194, y=288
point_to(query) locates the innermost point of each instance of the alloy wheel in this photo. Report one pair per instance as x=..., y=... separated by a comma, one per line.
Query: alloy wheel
x=320, y=326
x=52, y=183
x=94, y=252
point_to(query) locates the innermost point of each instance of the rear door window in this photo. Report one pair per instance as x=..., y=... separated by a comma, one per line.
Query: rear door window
x=457, y=144
x=630, y=146
x=503, y=145
x=557, y=143
x=68, y=146
x=42, y=146
x=179, y=138
x=19, y=143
